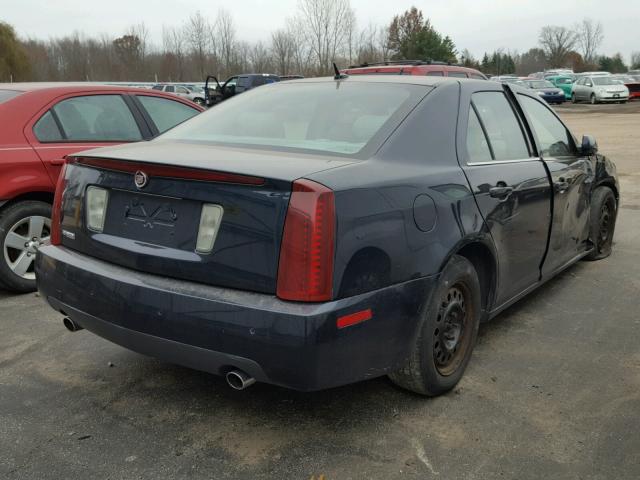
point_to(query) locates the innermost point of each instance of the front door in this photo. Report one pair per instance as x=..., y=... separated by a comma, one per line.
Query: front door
x=571, y=175
x=511, y=188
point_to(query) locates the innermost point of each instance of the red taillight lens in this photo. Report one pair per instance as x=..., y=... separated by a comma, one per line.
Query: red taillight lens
x=305, y=272
x=56, y=210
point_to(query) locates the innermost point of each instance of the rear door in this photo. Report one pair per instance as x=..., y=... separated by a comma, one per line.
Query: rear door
x=80, y=122
x=510, y=185
x=572, y=176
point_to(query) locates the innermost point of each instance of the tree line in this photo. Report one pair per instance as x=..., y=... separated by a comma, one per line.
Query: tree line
x=317, y=34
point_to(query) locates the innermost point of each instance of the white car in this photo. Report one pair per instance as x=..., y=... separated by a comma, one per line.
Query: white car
x=600, y=88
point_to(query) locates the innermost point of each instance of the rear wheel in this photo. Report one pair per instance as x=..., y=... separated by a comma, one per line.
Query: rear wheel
x=447, y=333
x=23, y=227
x=603, y=214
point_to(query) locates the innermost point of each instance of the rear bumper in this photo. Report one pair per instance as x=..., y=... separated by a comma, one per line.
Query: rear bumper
x=215, y=329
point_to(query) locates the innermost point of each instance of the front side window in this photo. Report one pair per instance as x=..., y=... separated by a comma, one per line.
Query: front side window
x=501, y=125
x=97, y=118
x=169, y=88
x=166, y=113
x=553, y=137
x=327, y=117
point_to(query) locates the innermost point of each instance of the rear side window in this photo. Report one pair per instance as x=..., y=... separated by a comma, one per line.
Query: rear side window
x=457, y=74
x=477, y=145
x=46, y=129
x=8, y=95
x=166, y=113
x=99, y=118
x=169, y=88
x=552, y=135
x=505, y=135
x=435, y=74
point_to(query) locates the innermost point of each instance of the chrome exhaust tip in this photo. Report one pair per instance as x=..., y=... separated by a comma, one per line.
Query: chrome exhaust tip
x=239, y=380
x=71, y=325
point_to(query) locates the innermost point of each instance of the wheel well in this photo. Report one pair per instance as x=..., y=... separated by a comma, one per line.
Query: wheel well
x=46, y=197
x=484, y=263
x=369, y=269
x=610, y=184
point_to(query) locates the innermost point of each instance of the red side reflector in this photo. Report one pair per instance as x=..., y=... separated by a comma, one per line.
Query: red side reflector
x=56, y=209
x=354, y=318
x=305, y=270
x=182, y=173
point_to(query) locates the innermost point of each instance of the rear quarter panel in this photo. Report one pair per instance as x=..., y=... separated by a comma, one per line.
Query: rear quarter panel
x=403, y=213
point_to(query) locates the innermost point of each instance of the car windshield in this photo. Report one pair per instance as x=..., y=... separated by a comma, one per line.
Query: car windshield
x=8, y=95
x=340, y=118
x=541, y=84
x=605, y=81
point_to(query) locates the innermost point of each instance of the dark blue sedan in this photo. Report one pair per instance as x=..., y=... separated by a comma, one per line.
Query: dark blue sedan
x=320, y=232
x=547, y=90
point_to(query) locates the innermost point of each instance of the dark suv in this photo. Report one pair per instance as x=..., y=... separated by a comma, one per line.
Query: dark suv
x=236, y=84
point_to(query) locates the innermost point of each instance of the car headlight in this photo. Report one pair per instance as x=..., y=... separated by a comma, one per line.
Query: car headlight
x=542, y=94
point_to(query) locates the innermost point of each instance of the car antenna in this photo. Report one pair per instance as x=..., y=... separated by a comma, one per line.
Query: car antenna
x=338, y=75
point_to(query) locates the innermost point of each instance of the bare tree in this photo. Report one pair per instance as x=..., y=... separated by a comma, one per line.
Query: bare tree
x=173, y=52
x=226, y=34
x=260, y=58
x=283, y=50
x=324, y=24
x=635, y=60
x=589, y=35
x=198, y=34
x=557, y=42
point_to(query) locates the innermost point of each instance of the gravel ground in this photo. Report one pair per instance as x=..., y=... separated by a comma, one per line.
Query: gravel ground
x=552, y=391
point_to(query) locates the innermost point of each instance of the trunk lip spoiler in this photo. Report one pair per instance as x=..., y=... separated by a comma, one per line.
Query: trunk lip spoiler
x=169, y=171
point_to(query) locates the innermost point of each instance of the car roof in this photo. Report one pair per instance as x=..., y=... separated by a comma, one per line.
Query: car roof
x=66, y=87
x=385, y=78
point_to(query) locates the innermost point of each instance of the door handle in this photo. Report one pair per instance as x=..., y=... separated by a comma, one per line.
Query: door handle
x=500, y=192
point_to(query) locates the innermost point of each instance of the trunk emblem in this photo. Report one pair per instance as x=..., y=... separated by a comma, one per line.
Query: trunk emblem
x=140, y=179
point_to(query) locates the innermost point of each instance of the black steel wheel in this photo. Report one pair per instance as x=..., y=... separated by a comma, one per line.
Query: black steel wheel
x=447, y=333
x=604, y=211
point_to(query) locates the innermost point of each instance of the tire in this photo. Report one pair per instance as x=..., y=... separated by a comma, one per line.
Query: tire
x=20, y=223
x=199, y=101
x=439, y=356
x=602, y=214
x=592, y=99
x=573, y=98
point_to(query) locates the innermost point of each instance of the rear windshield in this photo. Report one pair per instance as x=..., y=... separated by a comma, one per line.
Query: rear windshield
x=339, y=118
x=8, y=95
x=541, y=84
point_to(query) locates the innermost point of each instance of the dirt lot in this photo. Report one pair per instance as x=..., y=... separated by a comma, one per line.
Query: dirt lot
x=553, y=390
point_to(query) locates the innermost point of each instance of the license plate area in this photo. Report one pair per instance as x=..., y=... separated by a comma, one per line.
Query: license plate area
x=153, y=219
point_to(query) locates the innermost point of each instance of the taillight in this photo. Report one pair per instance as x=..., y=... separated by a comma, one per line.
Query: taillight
x=305, y=272
x=56, y=210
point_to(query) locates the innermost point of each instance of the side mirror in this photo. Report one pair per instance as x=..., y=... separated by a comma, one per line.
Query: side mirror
x=589, y=145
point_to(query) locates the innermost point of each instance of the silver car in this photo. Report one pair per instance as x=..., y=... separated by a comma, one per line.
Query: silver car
x=600, y=88
x=195, y=95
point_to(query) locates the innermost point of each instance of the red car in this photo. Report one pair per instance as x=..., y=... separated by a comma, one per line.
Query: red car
x=415, y=67
x=42, y=123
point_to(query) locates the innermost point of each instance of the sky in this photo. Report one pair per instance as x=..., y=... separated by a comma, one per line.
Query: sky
x=476, y=25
